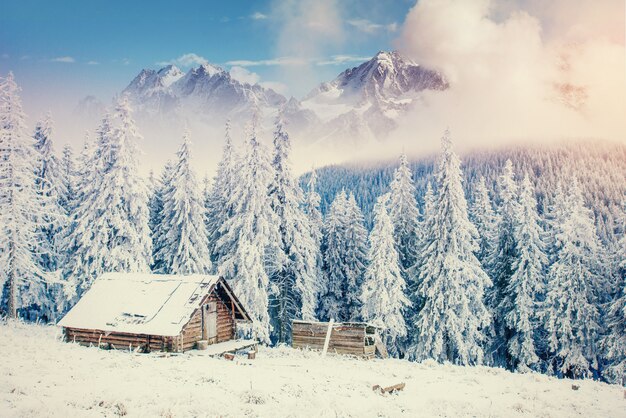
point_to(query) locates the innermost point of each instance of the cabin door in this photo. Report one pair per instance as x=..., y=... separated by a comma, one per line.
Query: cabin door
x=209, y=321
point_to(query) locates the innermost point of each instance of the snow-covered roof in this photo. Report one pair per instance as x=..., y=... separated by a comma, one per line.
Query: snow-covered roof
x=138, y=303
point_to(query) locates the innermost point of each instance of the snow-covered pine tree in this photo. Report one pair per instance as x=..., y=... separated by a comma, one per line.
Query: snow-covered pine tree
x=422, y=249
x=248, y=235
x=570, y=314
x=502, y=260
x=21, y=277
x=68, y=190
x=519, y=302
x=185, y=248
x=383, y=295
x=158, y=228
x=111, y=231
x=219, y=206
x=613, y=342
x=54, y=221
x=332, y=302
x=486, y=222
x=450, y=325
x=404, y=214
x=293, y=270
x=49, y=186
x=355, y=258
x=316, y=222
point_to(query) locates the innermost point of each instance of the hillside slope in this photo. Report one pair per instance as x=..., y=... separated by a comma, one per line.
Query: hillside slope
x=42, y=376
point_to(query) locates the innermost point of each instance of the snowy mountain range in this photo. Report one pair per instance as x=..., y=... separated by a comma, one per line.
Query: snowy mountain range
x=363, y=102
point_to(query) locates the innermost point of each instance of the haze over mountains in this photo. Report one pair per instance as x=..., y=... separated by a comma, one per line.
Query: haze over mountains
x=363, y=102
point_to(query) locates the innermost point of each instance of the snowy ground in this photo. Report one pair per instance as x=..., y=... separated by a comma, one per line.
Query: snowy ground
x=42, y=376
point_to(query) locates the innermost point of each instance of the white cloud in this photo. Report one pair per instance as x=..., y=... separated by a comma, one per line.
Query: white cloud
x=5, y=56
x=370, y=27
x=93, y=63
x=243, y=75
x=277, y=86
x=246, y=76
x=65, y=59
x=269, y=62
x=258, y=16
x=506, y=75
x=342, y=59
x=186, y=60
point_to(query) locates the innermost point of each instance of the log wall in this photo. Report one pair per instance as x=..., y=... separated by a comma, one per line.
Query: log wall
x=344, y=338
x=192, y=331
x=118, y=340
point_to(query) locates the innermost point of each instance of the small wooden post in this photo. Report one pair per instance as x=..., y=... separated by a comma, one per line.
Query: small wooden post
x=327, y=340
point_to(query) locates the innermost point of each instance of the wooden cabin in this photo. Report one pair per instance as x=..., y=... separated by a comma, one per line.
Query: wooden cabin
x=356, y=338
x=154, y=312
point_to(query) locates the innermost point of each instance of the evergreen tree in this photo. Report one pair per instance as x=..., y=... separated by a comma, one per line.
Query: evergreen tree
x=54, y=220
x=68, y=174
x=570, y=315
x=248, y=237
x=332, y=304
x=158, y=228
x=503, y=259
x=49, y=187
x=383, y=297
x=450, y=325
x=219, y=205
x=614, y=342
x=185, y=248
x=111, y=231
x=486, y=221
x=520, y=296
x=293, y=270
x=21, y=278
x=404, y=214
x=355, y=258
x=316, y=223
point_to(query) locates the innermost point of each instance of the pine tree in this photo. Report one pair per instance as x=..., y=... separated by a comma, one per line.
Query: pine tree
x=486, y=221
x=355, y=258
x=383, y=296
x=316, y=222
x=111, y=231
x=50, y=186
x=249, y=236
x=569, y=313
x=404, y=214
x=332, y=304
x=219, y=205
x=614, y=341
x=293, y=270
x=21, y=278
x=503, y=258
x=68, y=174
x=450, y=325
x=521, y=293
x=158, y=228
x=185, y=247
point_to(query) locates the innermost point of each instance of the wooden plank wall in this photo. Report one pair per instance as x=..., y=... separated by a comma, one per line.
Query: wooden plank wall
x=192, y=332
x=120, y=341
x=344, y=339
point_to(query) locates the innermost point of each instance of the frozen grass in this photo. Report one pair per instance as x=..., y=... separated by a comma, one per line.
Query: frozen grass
x=42, y=376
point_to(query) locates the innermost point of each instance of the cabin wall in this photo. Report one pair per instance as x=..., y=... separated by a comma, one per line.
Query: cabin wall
x=192, y=331
x=120, y=341
x=344, y=338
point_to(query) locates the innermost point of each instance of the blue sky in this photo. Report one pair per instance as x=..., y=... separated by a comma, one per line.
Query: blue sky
x=83, y=47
